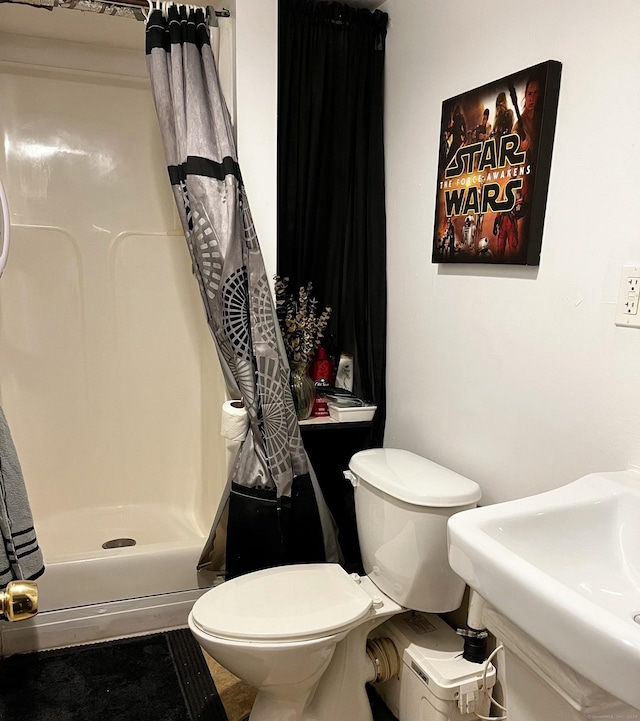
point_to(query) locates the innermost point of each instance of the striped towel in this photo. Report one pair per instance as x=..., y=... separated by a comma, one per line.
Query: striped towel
x=20, y=555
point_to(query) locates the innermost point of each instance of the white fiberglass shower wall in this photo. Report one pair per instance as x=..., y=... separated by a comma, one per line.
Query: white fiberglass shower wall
x=108, y=374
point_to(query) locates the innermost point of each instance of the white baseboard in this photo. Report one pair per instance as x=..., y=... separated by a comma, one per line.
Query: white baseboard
x=99, y=622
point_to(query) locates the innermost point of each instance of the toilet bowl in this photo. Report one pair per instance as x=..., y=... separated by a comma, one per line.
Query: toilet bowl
x=298, y=633
x=278, y=630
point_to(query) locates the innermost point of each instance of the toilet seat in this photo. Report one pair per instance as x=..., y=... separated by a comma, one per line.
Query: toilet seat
x=283, y=604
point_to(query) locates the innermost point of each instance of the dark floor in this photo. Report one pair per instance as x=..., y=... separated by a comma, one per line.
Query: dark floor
x=378, y=706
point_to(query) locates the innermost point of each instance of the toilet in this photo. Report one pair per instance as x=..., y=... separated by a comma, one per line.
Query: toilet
x=298, y=633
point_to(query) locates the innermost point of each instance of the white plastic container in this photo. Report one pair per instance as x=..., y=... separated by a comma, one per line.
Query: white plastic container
x=436, y=683
x=351, y=413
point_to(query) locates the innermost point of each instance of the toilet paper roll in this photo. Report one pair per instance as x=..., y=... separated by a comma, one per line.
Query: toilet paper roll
x=235, y=421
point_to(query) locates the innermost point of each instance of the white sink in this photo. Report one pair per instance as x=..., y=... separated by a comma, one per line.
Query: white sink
x=564, y=566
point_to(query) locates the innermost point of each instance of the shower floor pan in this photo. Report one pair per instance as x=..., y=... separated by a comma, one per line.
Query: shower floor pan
x=159, y=555
x=90, y=593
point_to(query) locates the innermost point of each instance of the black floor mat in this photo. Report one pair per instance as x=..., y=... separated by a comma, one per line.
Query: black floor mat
x=162, y=677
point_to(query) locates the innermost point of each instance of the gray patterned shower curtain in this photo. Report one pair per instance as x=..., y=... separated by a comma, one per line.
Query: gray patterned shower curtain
x=272, y=512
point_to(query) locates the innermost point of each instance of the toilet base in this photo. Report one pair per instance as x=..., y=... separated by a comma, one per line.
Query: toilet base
x=284, y=674
x=319, y=679
x=341, y=691
x=268, y=707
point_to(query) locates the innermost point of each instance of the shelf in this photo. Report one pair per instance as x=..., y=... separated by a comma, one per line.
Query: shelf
x=328, y=423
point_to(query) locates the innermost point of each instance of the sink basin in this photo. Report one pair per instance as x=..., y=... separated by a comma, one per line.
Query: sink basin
x=564, y=566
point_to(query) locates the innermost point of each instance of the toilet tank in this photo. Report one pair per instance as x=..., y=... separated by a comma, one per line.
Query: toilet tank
x=403, y=503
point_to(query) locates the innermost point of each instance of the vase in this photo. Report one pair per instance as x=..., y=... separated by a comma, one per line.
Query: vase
x=303, y=390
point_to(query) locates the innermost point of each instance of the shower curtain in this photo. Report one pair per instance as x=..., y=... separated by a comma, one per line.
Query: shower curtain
x=272, y=511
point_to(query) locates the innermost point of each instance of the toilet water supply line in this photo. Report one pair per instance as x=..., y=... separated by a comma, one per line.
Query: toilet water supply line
x=5, y=229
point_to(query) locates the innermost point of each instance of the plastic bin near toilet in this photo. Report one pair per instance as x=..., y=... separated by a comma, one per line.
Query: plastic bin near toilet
x=436, y=683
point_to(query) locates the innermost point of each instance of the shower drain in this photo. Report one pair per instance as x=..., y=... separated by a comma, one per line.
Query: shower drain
x=119, y=543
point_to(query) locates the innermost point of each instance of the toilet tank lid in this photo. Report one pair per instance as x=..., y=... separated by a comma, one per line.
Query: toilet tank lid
x=413, y=479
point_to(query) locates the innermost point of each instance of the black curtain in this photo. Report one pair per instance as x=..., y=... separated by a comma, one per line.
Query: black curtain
x=331, y=207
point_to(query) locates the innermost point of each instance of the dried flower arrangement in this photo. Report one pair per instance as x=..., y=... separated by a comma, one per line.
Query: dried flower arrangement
x=302, y=328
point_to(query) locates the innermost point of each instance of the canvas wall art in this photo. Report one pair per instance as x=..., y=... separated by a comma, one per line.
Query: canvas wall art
x=494, y=163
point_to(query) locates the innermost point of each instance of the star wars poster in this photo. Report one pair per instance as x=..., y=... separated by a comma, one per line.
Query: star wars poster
x=493, y=169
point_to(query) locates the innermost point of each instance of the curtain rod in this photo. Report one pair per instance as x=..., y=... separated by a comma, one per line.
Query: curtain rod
x=224, y=13
x=129, y=8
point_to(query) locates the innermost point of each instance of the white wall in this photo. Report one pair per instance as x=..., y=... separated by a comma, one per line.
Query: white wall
x=516, y=377
x=257, y=99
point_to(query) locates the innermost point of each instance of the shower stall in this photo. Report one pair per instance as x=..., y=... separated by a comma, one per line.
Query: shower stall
x=108, y=374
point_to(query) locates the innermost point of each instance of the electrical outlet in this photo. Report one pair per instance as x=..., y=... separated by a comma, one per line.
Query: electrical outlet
x=629, y=298
x=631, y=305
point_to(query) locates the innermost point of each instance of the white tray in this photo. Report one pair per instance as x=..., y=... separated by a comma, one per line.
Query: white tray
x=355, y=413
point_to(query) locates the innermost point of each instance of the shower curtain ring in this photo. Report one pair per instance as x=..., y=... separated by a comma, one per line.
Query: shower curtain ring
x=149, y=11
